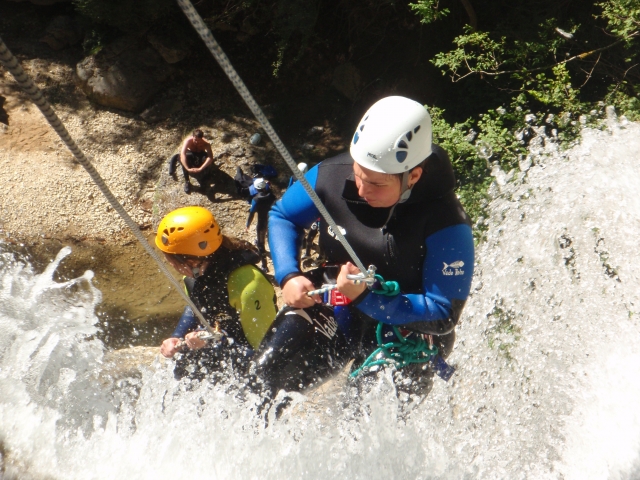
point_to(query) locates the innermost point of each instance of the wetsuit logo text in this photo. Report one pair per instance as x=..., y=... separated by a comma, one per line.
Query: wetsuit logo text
x=453, y=269
x=329, y=328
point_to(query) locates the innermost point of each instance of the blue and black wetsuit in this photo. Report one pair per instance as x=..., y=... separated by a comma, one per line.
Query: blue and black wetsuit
x=425, y=243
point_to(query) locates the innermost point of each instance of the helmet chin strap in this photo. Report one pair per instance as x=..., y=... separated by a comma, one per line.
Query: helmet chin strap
x=405, y=193
x=405, y=190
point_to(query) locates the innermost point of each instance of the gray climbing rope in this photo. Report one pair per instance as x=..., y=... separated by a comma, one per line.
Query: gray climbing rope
x=11, y=64
x=222, y=59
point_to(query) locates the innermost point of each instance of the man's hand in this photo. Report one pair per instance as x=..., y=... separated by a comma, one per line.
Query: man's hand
x=348, y=287
x=294, y=292
x=193, y=341
x=169, y=347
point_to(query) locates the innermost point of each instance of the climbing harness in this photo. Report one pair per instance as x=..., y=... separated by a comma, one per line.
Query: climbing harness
x=11, y=64
x=414, y=348
x=406, y=351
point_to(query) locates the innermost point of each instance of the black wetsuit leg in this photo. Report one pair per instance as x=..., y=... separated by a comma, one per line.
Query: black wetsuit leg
x=303, y=348
x=173, y=163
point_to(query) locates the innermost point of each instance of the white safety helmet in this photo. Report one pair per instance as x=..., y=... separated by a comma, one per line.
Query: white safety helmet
x=260, y=184
x=303, y=167
x=393, y=136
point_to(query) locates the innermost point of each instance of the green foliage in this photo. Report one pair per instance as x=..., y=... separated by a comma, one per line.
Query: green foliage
x=471, y=168
x=627, y=105
x=623, y=17
x=475, y=52
x=94, y=41
x=294, y=18
x=429, y=10
x=535, y=70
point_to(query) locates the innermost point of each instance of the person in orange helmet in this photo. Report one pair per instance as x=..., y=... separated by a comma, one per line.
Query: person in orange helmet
x=222, y=280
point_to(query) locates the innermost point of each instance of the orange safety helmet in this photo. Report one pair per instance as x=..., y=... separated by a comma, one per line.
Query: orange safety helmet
x=189, y=231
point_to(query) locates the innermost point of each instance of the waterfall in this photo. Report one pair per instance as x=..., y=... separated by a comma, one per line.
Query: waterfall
x=547, y=359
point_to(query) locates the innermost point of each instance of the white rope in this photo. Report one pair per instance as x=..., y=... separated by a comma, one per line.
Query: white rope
x=217, y=52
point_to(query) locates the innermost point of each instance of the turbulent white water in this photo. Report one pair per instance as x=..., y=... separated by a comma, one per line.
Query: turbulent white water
x=547, y=361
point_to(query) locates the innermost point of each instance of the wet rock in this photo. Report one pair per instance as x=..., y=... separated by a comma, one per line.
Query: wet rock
x=170, y=50
x=126, y=362
x=124, y=75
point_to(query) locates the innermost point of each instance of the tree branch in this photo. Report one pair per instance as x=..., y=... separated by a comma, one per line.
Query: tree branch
x=580, y=56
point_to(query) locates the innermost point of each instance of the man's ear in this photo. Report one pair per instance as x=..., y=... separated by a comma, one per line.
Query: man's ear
x=414, y=176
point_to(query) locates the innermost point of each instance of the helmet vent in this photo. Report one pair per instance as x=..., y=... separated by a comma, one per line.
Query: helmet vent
x=202, y=245
x=165, y=239
x=415, y=130
x=180, y=229
x=401, y=156
x=206, y=231
x=402, y=144
x=356, y=137
x=409, y=136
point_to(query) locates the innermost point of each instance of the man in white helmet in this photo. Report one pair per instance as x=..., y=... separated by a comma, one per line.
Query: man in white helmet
x=392, y=196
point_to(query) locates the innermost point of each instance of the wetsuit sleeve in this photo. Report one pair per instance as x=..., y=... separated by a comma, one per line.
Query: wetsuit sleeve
x=446, y=282
x=187, y=323
x=288, y=218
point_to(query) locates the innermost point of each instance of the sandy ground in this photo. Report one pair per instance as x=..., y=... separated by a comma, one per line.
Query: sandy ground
x=48, y=200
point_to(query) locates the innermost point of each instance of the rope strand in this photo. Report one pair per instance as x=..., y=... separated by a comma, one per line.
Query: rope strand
x=217, y=52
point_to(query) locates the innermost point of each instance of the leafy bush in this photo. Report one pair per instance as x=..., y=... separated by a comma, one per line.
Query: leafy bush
x=535, y=69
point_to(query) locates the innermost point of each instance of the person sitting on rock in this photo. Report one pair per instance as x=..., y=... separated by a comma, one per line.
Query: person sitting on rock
x=276, y=349
x=196, y=158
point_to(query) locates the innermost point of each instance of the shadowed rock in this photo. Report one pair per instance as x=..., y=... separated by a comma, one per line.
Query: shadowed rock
x=125, y=75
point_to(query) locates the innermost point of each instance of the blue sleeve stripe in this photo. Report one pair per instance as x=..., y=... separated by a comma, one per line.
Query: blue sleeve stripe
x=447, y=274
x=288, y=218
x=186, y=324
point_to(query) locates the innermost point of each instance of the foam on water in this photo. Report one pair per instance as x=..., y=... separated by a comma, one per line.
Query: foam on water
x=547, y=363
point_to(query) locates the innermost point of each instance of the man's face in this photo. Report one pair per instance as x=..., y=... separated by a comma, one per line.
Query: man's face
x=378, y=189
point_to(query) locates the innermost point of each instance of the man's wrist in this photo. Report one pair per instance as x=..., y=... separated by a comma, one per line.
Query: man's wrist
x=288, y=277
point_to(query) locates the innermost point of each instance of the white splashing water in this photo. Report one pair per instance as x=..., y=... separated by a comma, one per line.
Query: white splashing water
x=547, y=363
